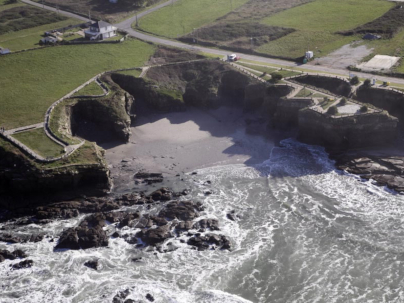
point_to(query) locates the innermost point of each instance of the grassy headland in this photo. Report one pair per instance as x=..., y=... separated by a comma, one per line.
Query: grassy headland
x=34, y=80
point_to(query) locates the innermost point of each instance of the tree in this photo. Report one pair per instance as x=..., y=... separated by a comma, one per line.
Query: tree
x=342, y=102
x=333, y=110
x=367, y=82
x=276, y=77
x=364, y=109
x=354, y=80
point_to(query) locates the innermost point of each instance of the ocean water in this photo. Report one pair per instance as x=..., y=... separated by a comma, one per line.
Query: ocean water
x=305, y=233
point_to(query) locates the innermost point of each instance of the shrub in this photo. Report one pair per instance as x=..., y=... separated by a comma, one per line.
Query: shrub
x=354, y=80
x=325, y=99
x=367, y=82
x=333, y=110
x=364, y=109
x=342, y=102
x=276, y=77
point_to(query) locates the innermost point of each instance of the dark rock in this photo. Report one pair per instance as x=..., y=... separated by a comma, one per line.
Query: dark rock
x=207, y=193
x=194, y=173
x=162, y=194
x=211, y=224
x=94, y=264
x=10, y=238
x=88, y=234
x=150, y=297
x=230, y=216
x=149, y=178
x=137, y=260
x=116, y=235
x=182, y=210
x=155, y=235
x=120, y=296
x=22, y=264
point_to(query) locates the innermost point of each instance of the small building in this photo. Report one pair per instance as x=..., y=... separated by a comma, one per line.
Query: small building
x=371, y=37
x=4, y=51
x=309, y=55
x=48, y=41
x=100, y=30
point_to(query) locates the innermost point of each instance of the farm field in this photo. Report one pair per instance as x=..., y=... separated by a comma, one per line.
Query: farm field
x=184, y=15
x=316, y=24
x=36, y=79
x=330, y=15
x=29, y=38
x=102, y=10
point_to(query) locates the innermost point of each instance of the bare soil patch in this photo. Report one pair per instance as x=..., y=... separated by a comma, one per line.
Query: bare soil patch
x=240, y=30
x=244, y=36
x=345, y=56
x=19, y=18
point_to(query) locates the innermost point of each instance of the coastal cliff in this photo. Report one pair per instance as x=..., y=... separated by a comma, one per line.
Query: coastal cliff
x=341, y=133
x=109, y=116
x=25, y=180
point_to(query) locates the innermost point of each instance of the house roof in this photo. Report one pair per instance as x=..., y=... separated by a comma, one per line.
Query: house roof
x=100, y=24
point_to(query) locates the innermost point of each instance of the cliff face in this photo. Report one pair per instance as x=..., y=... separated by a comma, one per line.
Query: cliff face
x=21, y=178
x=206, y=84
x=334, y=85
x=109, y=114
x=360, y=131
x=391, y=101
x=287, y=112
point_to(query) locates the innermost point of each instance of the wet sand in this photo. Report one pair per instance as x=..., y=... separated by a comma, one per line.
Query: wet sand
x=178, y=143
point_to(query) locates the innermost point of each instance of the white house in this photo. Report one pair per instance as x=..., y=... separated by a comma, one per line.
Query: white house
x=100, y=30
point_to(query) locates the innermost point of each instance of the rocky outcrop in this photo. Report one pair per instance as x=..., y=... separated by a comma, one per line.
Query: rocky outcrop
x=286, y=115
x=335, y=85
x=23, y=181
x=7, y=255
x=206, y=84
x=388, y=100
x=110, y=115
x=342, y=133
x=88, y=234
x=385, y=170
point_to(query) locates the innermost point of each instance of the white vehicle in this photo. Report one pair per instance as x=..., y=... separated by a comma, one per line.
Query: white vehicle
x=232, y=57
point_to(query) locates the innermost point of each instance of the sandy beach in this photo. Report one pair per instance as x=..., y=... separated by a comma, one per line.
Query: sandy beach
x=180, y=142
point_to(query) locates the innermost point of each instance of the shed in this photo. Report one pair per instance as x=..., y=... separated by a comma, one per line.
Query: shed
x=4, y=51
x=371, y=37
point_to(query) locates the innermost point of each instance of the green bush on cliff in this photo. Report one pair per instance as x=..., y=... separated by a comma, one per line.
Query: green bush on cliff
x=276, y=77
x=354, y=80
x=333, y=110
x=342, y=102
x=366, y=83
x=364, y=109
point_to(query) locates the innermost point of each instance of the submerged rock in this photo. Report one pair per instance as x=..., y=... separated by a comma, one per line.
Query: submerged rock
x=22, y=264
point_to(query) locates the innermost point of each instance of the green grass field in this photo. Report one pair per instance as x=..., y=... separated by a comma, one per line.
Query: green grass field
x=92, y=89
x=4, y=6
x=29, y=38
x=185, y=15
x=40, y=143
x=134, y=72
x=295, y=44
x=330, y=15
x=32, y=81
x=317, y=23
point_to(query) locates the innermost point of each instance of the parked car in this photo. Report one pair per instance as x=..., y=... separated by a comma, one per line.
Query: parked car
x=232, y=58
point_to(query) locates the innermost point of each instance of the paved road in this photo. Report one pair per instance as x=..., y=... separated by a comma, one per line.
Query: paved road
x=127, y=26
